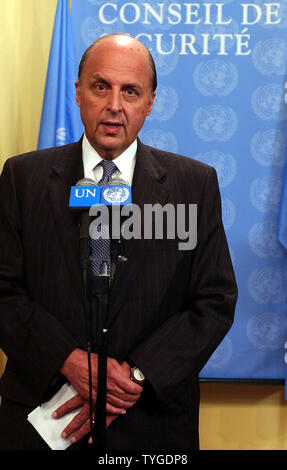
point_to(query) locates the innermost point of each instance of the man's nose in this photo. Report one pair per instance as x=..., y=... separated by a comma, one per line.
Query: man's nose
x=115, y=101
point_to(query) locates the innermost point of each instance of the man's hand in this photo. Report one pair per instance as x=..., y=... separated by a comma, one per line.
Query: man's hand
x=75, y=369
x=122, y=393
x=79, y=427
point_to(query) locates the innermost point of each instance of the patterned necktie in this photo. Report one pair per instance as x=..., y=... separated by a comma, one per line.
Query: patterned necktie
x=100, y=247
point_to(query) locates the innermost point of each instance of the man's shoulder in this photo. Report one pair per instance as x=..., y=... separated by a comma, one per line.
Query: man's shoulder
x=43, y=157
x=178, y=162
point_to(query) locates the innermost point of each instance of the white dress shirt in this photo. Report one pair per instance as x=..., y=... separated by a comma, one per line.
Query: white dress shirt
x=124, y=162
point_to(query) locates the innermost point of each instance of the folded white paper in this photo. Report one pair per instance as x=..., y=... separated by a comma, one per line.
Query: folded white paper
x=49, y=428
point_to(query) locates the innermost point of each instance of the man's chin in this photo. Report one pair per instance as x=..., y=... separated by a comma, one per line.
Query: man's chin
x=109, y=147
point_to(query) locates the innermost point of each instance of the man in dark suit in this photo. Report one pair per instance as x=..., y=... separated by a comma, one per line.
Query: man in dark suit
x=170, y=308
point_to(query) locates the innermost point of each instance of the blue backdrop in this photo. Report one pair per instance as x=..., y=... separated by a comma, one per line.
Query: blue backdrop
x=221, y=99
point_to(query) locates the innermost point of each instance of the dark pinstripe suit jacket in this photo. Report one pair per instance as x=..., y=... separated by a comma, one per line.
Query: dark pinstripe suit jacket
x=169, y=311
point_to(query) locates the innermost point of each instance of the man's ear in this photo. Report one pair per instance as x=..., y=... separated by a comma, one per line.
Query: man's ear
x=150, y=105
x=77, y=86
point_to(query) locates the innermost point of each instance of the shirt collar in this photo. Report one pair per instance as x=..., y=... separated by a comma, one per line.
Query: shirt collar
x=125, y=162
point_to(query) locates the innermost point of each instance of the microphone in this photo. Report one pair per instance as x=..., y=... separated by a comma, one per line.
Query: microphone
x=82, y=196
x=116, y=194
x=87, y=194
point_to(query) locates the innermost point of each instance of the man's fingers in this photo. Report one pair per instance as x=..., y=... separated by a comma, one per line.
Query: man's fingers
x=114, y=410
x=124, y=385
x=117, y=376
x=80, y=425
x=117, y=402
x=82, y=432
x=70, y=405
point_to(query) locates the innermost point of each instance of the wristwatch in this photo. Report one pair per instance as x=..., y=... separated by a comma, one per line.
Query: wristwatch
x=136, y=375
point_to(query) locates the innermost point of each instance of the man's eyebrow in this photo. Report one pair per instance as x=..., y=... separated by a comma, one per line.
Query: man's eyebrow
x=97, y=76
x=136, y=86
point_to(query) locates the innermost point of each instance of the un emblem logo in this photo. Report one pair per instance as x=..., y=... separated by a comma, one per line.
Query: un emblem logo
x=268, y=285
x=265, y=193
x=161, y=139
x=116, y=194
x=224, y=164
x=215, y=123
x=215, y=77
x=61, y=135
x=267, y=330
x=270, y=56
x=268, y=102
x=263, y=240
x=269, y=147
x=92, y=29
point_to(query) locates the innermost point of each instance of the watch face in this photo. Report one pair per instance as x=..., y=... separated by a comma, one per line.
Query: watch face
x=138, y=375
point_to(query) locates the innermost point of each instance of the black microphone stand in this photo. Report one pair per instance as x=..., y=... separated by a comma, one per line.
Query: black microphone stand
x=85, y=266
x=96, y=295
x=99, y=309
x=100, y=304
x=96, y=308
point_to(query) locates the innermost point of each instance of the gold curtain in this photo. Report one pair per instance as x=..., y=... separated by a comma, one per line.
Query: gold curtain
x=25, y=34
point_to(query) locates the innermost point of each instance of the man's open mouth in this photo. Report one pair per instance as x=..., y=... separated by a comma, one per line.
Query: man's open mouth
x=112, y=127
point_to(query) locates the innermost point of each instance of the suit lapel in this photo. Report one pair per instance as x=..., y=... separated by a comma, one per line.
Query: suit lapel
x=149, y=187
x=67, y=170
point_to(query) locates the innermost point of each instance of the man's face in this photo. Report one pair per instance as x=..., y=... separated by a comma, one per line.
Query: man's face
x=114, y=94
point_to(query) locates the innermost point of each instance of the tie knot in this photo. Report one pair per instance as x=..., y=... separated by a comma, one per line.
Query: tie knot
x=109, y=168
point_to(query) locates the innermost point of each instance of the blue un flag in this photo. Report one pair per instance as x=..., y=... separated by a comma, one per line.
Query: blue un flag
x=60, y=122
x=282, y=236
x=282, y=223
